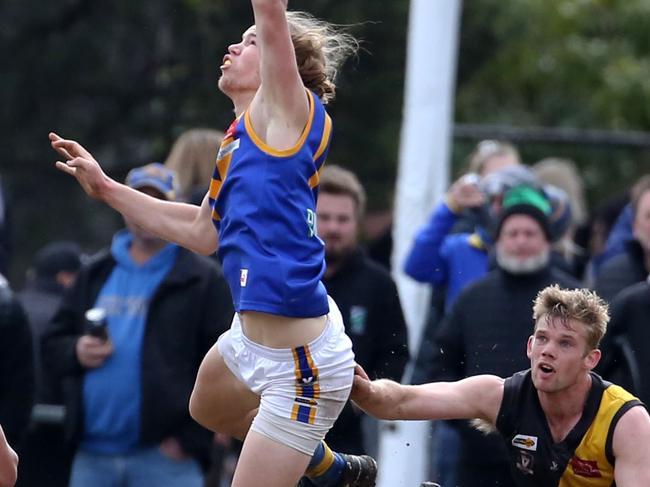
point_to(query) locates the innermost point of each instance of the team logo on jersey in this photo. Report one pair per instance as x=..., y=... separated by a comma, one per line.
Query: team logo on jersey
x=312, y=227
x=525, y=442
x=525, y=463
x=227, y=149
x=585, y=468
x=243, y=277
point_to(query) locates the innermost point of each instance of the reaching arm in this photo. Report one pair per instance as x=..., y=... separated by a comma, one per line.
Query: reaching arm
x=187, y=225
x=631, y=435
x=475, y=397
x=280, y=108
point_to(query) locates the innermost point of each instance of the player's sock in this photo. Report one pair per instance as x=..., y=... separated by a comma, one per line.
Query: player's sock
x=326, y=466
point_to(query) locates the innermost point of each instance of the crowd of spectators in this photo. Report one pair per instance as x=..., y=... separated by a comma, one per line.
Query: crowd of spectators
x=503, y=231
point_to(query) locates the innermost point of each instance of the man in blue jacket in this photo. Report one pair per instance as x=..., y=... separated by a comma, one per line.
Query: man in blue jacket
x=127, y=394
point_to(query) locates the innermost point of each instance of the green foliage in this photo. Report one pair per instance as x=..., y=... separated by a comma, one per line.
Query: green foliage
x=560, y=63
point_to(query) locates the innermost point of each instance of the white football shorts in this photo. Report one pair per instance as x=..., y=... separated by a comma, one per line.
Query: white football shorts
x=302, y=390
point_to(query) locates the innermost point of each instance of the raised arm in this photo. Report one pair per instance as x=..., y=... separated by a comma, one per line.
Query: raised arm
x=475, y=397
x=631, y=435
x=187, y=225
x=281, y=104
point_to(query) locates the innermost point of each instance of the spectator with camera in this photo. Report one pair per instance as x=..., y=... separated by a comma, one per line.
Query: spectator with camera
x=440, y=255
x=127, y=387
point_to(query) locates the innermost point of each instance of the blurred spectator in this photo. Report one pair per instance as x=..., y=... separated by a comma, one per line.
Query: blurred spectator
x=620, y=234
x=127, y=393
x=5, y=236
x=364, y=292
x=378, y=236
x=492, y=155
x=193, y=156
x=625, y=344
x=16, y=367
x=8, y=462
x=45, y=458
x=603, y=219
x=633, y=264
x=563, y=174
x=491, y=318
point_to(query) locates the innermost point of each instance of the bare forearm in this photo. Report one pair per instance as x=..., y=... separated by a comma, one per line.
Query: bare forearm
x=383, y=400
x=475, y=397
x=180, y=223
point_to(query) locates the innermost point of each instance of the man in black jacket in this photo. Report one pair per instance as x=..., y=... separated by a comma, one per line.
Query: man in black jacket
x=45, y=457
x=127, y=394
x=16, y=367
x=491, y=319
x=633, y=264
x=365, y=293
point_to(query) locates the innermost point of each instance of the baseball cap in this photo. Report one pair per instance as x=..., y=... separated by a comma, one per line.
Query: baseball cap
x=155, y=176
x=528, y=201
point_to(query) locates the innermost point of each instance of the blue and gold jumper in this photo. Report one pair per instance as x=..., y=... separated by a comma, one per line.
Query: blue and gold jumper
x=264, y=208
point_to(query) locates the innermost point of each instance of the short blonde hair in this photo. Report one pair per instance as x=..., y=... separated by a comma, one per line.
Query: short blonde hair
x=321, y=49
x=580, y=305
x=486, y=150
x=340, y=181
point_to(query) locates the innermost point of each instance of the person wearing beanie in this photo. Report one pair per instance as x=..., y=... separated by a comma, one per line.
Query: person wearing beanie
x=529, y=201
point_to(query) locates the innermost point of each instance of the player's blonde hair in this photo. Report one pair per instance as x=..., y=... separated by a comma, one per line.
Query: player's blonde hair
x=580, y=305
x=321, y=48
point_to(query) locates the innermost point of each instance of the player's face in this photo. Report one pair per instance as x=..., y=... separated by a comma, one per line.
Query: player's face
x=642, y=221
x=337, y=224
x=240, y=70
x=559, y=354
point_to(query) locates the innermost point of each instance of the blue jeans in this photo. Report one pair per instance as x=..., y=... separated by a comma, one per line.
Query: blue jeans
x=146, y=467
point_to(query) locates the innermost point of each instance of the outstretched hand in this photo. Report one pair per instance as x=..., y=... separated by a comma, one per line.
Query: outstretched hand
x=81, y=164
x=360, y=387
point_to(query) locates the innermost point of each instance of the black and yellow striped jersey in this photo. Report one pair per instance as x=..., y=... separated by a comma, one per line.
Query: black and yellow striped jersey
x=584, y=458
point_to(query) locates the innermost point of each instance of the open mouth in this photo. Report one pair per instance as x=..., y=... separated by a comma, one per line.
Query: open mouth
x=547, y=369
